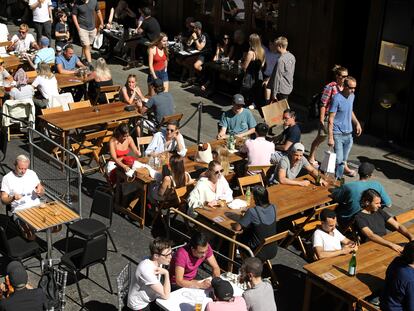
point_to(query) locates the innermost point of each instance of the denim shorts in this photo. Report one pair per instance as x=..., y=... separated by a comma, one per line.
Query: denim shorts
x=162, y=74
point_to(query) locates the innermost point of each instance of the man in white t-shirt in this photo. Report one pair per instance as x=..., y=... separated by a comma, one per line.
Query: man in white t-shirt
x=328, y=241
x=42, y=18
x=146, y=285
x=23, y=41
x=21, y=188
x=4, y=36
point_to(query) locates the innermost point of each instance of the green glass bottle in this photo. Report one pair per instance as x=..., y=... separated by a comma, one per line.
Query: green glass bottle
x=248, y=196
x=352, y=265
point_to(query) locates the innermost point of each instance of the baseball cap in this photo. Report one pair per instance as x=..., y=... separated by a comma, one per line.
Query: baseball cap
x=44, y=41
x=17, y=274
x=198, y=25
x=298, y=147
x=222, y=289
x=238, y=99
x=366, y=169
x=157, y=83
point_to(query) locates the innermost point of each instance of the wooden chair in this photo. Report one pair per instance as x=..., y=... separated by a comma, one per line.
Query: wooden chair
x=171, y=118
x=263, y=169
x=310, y=226
x=405, y=217
x=143, y=141
x=47, y=111
x=80, y=104
x=277, y=238
x=110, y=91
x=90, y=144
x=5, y=43
x=249, y=180
x=367, y=306
x=111, y=97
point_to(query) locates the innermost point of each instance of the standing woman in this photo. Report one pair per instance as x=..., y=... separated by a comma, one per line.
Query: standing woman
x=131, y=93
x=253, y=77
x=329, y=91
x=158, y=62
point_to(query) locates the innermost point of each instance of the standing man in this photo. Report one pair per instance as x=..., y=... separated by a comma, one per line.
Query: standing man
x=42, y=18
x=341, y=117
x=83, y=15
x=281, y=80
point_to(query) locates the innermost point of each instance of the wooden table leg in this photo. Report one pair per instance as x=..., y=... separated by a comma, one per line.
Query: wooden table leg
x=307, y=295
x=144, y=205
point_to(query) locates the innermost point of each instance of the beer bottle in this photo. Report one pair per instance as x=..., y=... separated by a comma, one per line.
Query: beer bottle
x=248, y=196
x=352, y=265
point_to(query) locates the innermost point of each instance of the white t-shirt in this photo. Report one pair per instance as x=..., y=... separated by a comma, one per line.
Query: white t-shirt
x=4, y=32
x=25, y=186
x=4, y=74
x=328, y=242
x=23, y=45
x=140, y=293
x=41, y=14
x=25, y=92
x=47, y=87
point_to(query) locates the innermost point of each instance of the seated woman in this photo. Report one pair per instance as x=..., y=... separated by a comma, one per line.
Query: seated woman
x=372, y=221
x=169, y=139
x=46, y=84
x=131, y=93
x=101, y=76
x=259, y=223
x=22, y=90
x=120, y=146
x=209, y=190
x=4, y=74
x=173, y=177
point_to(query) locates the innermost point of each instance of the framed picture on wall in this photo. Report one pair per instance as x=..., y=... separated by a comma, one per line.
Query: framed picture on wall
x=393, y=55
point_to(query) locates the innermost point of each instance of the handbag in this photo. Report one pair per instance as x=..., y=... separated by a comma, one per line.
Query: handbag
x=329, y=162
x=97, y=43
x=273, y=113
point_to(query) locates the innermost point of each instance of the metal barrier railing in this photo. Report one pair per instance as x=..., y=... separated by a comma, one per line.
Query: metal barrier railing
x=62, y=179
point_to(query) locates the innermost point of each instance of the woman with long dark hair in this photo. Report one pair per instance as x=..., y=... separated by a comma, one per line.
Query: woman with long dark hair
x=158, y=63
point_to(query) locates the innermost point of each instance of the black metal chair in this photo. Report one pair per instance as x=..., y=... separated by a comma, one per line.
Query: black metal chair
x=17, y=248
x=94, y=252
x=89, y=228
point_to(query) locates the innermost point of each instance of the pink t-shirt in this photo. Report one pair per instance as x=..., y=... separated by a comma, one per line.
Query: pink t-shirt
x=184, y=258
x=237, y=305
x=259, y=151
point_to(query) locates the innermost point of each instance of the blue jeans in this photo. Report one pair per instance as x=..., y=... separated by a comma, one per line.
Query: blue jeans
x=343, y=145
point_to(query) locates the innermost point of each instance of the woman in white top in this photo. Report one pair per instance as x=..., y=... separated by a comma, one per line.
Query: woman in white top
x=46, y=84
x=209, y=190
x=4, y=74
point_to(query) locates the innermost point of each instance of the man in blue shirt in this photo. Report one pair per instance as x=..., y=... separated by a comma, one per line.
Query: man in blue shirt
x=44, y=55
x=349, y=195
x=68, y=61
x=398, y=293
x=341, y=117
x=237, y=120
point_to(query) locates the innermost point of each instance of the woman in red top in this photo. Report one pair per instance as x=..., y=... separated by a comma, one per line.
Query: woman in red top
x=157, y=62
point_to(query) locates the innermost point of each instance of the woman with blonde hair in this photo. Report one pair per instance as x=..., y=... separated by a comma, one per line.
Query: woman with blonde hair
x=101, y=76
x=46, y=85
x=222, y=154
x=158, y=62
x=253, y=77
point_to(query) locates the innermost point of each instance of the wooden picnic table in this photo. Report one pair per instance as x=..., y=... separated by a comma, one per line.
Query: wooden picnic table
x=331, y=274
x=12, y=61
x=69, y=80
x=42, y=218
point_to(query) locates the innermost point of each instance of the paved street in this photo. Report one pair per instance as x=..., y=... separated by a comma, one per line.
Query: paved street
x=393, y=171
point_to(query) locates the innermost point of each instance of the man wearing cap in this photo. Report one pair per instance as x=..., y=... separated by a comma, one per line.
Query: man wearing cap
x=223, y=299
x=290, y=166
x=42, y=18
x=24, y=298
x=349, y=195
x=259, y=296
x=161, y=104
x=238, y=120
x=45, y=54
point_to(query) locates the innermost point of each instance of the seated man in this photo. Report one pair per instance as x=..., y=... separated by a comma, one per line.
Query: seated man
x=290, y=136
x=349, y=195
x=398, y=293
x=290, y=166
x=259, y=295
x=45, y=54
x=187, y=259
x=68, y=61
x=328, y=241
x=223, y=299
x=23, y=41
x=372, y=220
x=24, y=297
x=162, y=104
x=169, y=139
x=146, y=285
x=4, y=74
x=237, y=120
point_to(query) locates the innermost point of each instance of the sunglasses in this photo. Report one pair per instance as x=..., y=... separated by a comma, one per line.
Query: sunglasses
x=343, y=76
x=219, y=172
x=170, y=130
x=22, y=32
x=351, y=87
x=226, y=38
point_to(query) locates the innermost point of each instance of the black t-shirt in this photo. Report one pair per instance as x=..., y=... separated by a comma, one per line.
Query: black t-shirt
x=151, y=28
x=239, y=50
x=85, y=12
x=375, y=221
x=25, y=300
x=292, y=134
x=227, y=6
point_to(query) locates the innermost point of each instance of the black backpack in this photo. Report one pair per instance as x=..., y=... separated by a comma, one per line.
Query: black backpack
x=314, y=106
x=49, y=286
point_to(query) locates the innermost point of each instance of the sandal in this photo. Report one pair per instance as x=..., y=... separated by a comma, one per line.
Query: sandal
x=351, y=173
